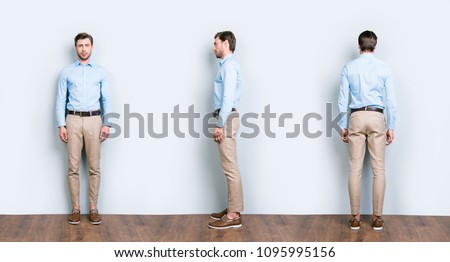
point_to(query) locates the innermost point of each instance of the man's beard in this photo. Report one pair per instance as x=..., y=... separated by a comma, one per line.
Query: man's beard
x=84, y=59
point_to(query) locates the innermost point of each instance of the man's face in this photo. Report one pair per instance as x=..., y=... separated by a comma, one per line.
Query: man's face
x=84, y=49
x=218, y=48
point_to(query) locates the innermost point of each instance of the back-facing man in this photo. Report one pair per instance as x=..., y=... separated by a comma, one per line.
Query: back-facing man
x=367, y=84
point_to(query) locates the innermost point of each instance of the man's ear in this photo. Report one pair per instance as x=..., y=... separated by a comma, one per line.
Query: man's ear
x=359, y=48
x=226, y=44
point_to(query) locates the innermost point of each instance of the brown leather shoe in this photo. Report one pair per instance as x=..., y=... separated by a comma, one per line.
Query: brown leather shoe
x=378, y=223
x=94, y=217
x=74, y=218
x=218, y=216
x=354, y=223
x=225, y=223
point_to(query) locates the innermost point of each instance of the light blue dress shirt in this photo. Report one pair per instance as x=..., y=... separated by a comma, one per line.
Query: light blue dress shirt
x=227, y=88
x=367, y=81
x=82, y=88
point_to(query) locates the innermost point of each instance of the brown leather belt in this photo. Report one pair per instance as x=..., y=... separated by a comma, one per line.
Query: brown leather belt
x=367, y=108
x=88, y=113
x=217, y=111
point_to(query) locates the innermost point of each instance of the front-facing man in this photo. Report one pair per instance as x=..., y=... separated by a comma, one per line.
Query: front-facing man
x=227, y=92
x=368, y=83
x=84, y=93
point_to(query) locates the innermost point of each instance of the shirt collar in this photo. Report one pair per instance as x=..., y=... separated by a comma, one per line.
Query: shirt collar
x=367, y=54
x=225, y=59
x=78, y=63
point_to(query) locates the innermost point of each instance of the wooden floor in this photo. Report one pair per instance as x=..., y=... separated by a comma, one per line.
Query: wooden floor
x=193, y=228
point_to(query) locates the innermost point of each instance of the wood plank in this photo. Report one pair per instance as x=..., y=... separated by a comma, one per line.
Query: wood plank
x=193, y=228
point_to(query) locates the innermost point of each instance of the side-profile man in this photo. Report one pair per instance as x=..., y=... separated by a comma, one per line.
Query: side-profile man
x=227, y=92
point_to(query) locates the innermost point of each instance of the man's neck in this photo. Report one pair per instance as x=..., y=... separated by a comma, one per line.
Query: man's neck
x=84, y=62
x=226, y=54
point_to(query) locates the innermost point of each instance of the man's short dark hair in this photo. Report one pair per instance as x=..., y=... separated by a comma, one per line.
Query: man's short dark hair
x=367, y=41
x=82, y=36
x=227, y=35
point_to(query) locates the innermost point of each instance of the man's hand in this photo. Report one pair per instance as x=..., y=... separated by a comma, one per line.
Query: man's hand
x=104, y=133
x=344, y=135
x=218, y=134
x=389, y=136
x=63, y=134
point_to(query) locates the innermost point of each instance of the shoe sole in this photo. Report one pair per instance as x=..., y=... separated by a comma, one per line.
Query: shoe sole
x=377, y=228
x=355, y=228
x=95, y=223
x=74, y=222
x=233, y=226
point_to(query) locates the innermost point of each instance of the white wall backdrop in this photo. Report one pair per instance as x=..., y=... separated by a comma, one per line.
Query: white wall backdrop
x=159, y=54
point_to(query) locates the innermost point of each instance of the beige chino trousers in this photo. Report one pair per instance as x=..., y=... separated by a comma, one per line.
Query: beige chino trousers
x=83, y=131
x=367, y=128
x=228, y=158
